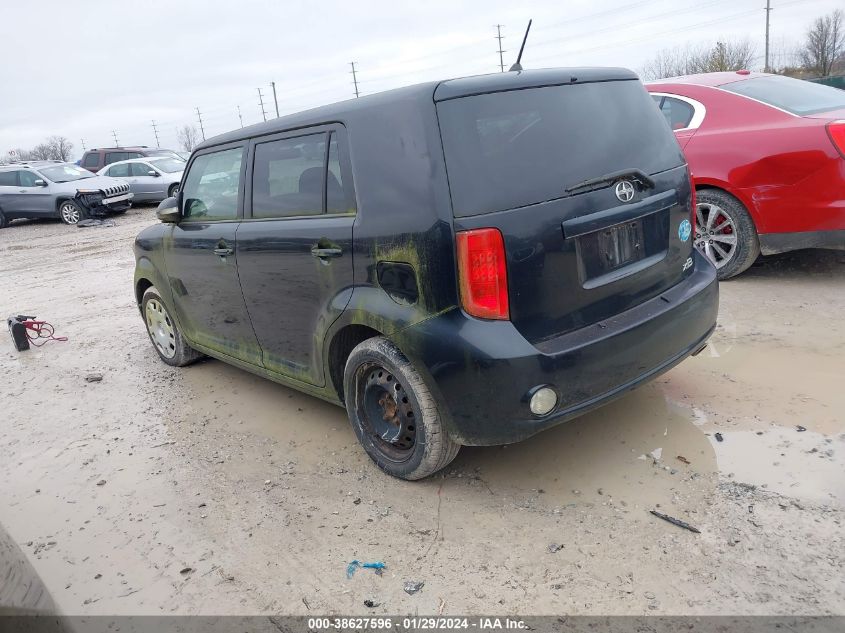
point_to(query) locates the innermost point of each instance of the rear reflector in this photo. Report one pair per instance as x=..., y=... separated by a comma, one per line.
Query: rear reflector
x=836, y=132
x=482, y=273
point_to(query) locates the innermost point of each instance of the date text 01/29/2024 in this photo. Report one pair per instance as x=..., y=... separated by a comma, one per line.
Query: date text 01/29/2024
x=415, y=623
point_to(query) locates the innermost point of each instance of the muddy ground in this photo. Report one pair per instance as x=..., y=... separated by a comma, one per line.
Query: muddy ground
x=208, y=490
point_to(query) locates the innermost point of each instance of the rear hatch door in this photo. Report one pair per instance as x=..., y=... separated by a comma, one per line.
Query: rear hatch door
x=588, y=186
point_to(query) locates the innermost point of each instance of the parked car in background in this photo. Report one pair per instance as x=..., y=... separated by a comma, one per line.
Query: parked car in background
x=95, y=159
x=150, y=179
x=767, y=154
x=63, y=190
x=550, y=273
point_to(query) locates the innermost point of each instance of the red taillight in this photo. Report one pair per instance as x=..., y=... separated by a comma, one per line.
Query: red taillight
x=836, y=132
x=482, y=273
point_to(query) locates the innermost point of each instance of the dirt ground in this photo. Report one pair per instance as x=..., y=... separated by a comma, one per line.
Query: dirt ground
x=207, y=490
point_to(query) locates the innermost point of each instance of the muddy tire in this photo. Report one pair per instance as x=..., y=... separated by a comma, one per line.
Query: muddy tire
x=3, y=221
x=167, y=341
x=725, y=232
x=70, y=212
x=393, y=412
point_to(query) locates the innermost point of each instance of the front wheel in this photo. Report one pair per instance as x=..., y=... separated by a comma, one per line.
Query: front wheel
x=393, y=412
x=173, y=191
x=165, y=336
x=725, y=232
x=3, y=221
x=70, y=212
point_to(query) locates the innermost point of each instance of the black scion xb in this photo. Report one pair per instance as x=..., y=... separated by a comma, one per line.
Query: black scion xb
x=465, y=262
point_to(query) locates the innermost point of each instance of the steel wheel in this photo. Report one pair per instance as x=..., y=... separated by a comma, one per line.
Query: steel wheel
x=387, y=413
x=715, y=233
x=70, y=213
x=160, y=328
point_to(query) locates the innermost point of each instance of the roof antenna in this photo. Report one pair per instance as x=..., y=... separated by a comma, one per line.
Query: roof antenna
x=517, y=66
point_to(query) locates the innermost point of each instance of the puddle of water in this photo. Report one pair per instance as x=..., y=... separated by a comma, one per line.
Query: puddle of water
x=805, y=465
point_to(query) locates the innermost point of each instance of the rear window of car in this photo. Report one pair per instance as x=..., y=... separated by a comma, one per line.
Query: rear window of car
x=512, y=149
x=91, y=160
x=793, y=95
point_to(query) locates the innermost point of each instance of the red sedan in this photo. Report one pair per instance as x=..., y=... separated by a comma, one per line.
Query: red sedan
x=767, y=154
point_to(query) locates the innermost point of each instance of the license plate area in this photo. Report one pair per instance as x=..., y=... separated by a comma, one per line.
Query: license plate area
x=622, y=249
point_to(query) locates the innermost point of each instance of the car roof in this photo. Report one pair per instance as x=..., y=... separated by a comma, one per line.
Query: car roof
x=424, y=93
x=711, y=80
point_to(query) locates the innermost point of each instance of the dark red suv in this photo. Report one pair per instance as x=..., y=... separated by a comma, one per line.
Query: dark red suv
x=95, y=159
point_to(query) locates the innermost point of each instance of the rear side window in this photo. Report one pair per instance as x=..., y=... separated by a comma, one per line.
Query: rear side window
x=793, y=95
x=119, y=171
x=8, y=179
x=91, y=160
x=678, y=113
x=511, y=149
x=211, y=186
x=113, y=157
x=288, y=176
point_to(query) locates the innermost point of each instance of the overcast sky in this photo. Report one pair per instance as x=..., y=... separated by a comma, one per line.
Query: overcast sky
x=87, y=67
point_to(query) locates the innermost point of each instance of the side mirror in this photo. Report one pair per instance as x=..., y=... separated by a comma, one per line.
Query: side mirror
x=40, y=183
x=152, y=173
x=168, y=211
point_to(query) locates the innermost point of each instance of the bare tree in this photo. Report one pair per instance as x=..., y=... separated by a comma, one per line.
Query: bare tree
x=824, y=44
x=60, y=148
x=724, y=56
x=188, y=137
x=42, y=151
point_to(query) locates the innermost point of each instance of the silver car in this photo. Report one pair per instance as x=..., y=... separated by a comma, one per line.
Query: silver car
x=58, y=190
x=150, y=179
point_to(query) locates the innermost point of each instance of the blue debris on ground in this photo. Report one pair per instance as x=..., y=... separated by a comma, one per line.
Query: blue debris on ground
x=352, y=567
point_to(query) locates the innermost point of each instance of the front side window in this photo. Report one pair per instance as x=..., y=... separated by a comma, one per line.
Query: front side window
x=27, y=178
x=212, y=185
x=139, y=169
x=119, y=171
x=678, y=113
x=288, y=177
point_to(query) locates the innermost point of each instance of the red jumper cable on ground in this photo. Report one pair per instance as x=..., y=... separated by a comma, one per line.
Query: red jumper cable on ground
x=25, y=330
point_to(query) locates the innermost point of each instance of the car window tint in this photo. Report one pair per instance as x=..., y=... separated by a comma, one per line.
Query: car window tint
x=335, y=200
x=288, y=177
x=119, y=171
x=678, y=113
x=8, y=178
x=212, y=184
x=793, y=95
x=27, y=178
x=139, y=169
x=91, y=160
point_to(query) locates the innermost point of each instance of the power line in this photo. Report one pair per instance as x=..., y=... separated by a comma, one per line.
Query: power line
x=768, y=11
x=499, y=37
x=155, y=131
x=199, y=118
x=261, y=101
x=275, y=100
x=354, y=79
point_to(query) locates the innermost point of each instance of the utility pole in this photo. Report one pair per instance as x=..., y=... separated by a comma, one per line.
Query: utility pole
x=273, y=83
x=499, y=37
x=114, y=134
x=83, y=144
x=261, y=101
x=768, y=11
x=354, y=79
x=199, y=118
x=240, y=117
x=155, y=130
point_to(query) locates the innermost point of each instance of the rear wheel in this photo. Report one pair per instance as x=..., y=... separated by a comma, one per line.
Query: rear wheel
x=70, y=212
x=393, y=412
x=724, y=232
x=165, y=336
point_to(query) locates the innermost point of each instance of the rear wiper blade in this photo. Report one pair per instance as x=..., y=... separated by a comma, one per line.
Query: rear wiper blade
x=636, y=175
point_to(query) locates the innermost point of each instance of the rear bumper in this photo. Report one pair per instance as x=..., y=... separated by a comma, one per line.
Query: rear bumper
x=482, y=371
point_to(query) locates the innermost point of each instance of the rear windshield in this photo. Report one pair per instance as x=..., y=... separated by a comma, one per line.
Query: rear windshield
x=512, y=149
x=793, y=95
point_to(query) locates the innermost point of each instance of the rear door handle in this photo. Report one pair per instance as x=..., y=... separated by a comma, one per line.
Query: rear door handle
x=325, y=253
